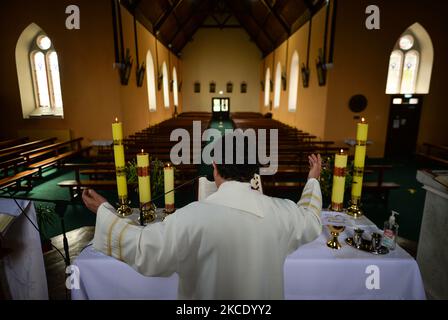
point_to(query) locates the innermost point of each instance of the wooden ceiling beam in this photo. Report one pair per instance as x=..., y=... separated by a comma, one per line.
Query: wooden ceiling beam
x=260, y=27
x=279, y=18
x=193, y=12
x=166, y=15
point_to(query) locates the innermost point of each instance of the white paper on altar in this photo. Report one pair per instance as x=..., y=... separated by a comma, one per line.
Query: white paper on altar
x=334, y=218
x=24, y=268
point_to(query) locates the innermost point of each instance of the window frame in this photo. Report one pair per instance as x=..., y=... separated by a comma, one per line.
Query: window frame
x=52, y=109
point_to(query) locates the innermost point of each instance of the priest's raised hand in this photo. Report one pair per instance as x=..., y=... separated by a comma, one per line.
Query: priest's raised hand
x=315, y=166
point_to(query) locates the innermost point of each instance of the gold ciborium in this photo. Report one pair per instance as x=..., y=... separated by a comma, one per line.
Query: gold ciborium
x=333, y=243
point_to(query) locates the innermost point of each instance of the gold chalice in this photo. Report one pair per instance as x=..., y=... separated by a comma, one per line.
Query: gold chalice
x=333, y=243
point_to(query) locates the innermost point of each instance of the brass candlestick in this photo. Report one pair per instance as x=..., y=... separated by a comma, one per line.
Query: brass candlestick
x=147, y=213
x=333, y=243
x=124, y=208
x=354, y=208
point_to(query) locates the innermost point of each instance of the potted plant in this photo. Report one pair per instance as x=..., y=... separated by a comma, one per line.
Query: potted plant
x=45, y=218
x=156, y=177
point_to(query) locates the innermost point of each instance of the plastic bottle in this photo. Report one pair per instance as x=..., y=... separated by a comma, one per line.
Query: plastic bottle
x=390, y=232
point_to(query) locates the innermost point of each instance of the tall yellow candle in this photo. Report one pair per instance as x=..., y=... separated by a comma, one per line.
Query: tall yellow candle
x=144, y=183
x=168, y=172
x=337, y=194
x=120, y=164
x=360, y=156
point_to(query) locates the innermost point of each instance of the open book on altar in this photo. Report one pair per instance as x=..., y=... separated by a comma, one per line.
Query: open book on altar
x=207, y=187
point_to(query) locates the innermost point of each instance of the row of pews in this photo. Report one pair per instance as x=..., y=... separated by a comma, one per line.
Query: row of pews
x=99, y=174
x=294, y=147
x=22, y=160
x=433, y=155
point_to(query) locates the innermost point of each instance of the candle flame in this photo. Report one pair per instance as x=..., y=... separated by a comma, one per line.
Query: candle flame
x=143, y=151
x=363, y=120
x=116, y=120
x=342, y=151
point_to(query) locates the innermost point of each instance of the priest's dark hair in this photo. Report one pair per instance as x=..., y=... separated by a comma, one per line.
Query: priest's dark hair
x=243, y=165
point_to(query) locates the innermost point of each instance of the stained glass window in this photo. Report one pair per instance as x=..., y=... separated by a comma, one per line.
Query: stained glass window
x=267, y=87
x=151, y=82
x=175, y=93
x=166, y=86
x=55, y=79
x=394, y=75
x=410, y=70
x=406, y=42
x=43, y=42
x=41, y=81
x=277, y=85
x=46, y=77
x=293, y=82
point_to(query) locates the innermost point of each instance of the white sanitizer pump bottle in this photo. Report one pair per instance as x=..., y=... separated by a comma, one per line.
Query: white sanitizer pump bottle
x=390, y=232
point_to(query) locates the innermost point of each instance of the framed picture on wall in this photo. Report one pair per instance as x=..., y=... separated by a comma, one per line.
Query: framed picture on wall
x=229, y=87
x=243, y=87
x=197, y=87
x=212, y=87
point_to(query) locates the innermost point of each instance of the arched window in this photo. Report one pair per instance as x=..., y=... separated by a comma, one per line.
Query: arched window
x=410, y=70
x=166, y=86
x=267, y=87
x=293, y=82
x=38, y=74
x=151, y=82
x=277, y=85
x=175, y=92
x=395, y=70
x=410, y=64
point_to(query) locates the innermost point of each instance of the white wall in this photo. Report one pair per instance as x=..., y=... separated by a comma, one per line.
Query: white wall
x=221, y=56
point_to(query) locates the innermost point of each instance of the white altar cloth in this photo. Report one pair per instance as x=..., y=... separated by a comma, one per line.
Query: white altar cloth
x=24, y=268
x=312, y=272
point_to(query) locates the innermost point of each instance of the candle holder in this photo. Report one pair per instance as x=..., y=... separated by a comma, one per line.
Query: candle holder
x=169, y=209
x=354, y=209
x=147, y=213
x=124, y=208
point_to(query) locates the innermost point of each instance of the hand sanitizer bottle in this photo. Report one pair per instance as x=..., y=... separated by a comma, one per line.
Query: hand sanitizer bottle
x=390, y=232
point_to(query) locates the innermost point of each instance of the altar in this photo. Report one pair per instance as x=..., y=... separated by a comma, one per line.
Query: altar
x=312, y=272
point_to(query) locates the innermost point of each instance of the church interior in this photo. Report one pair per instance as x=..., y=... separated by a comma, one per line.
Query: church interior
x=82, y=78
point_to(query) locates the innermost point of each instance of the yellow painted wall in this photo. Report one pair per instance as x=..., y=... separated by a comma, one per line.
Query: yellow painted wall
x=91, y=89
x=360, y=67
x=361, y=64
x=221, y=56
x=311, y=101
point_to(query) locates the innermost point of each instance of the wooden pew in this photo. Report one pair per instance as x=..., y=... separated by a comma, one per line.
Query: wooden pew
x=102, y=177
x=433, y=154
x=57, y=154
x=12, y=142
x=15, y=151
x=17, y=179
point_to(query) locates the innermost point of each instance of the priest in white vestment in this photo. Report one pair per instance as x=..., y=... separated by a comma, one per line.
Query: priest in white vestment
x=232, y=245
